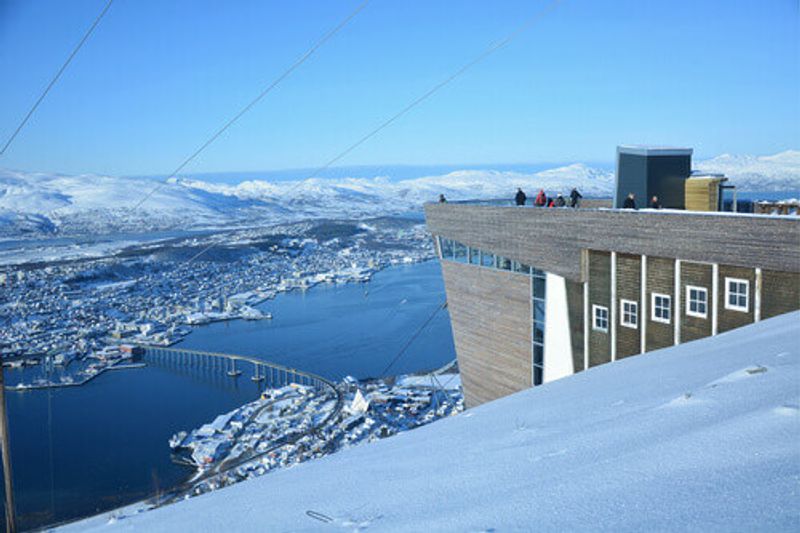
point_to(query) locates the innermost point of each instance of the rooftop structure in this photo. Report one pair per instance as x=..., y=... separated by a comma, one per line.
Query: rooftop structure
x=652, y=171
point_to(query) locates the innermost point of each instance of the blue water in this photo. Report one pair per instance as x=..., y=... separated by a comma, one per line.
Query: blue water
x=106, y=445
x=10, y=244
x=336, y=330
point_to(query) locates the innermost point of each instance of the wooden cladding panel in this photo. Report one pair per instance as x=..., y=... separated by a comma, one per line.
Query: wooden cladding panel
x=575, y=309
x=490, y=313
x=660, y=279
x=699, y=275
x=780, y=293
x=599, y=294
x=629, y=280
x=727, y=318
x=552, y=239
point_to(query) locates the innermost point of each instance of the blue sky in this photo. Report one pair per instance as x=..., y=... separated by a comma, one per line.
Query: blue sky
x=158, y=77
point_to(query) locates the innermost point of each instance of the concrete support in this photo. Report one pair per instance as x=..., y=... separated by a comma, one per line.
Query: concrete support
x=757, y=296
x=643, y=307
x=714, y=299
x=676, y=306
x=612, y=313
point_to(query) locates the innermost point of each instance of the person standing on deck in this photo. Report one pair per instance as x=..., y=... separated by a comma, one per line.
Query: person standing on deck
x=541, y=199
x=654, y=203
x=575, y=198
x=520, y=198
x=560, y=202
x=630, y=202
x=442, y=199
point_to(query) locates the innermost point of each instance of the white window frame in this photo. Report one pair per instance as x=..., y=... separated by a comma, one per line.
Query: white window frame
x=689, y=312
x=728, y=304
x=653, y=316
x=634, y=312
x=595, y=327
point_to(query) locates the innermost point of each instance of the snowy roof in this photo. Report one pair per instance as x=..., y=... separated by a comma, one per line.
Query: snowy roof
x=701, y=436
x=653, y=150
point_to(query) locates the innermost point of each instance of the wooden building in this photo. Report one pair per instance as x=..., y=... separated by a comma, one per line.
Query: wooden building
x=539, y=294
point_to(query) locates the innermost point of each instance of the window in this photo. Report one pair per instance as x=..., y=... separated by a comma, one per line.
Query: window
x=629, y=315
x=736, y=294
x=538, y=375
x=600, y=322
x=538, y=308
x=662, y=307
x=696, y=301
x=446, y=247
x=474, y=256
x=487, y=259
x=521, y=267
x=503, y=263
x=459, y=252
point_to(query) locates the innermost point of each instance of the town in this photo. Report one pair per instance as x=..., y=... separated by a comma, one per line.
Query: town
x=154, y=294
x=295, y=423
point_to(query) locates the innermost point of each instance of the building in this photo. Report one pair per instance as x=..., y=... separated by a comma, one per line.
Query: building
x=652, y=171
x=539, y=294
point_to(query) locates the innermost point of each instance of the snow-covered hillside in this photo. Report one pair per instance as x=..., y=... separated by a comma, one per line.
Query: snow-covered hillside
x=779, y=172
x=39, y=203
x=100, y=204
x=699, y=437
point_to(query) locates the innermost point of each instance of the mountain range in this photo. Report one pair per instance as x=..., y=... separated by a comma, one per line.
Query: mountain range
x=38, y=203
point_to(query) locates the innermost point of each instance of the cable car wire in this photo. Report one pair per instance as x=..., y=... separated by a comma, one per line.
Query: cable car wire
x=58, y=75
x=325, y=38
x=525, y=26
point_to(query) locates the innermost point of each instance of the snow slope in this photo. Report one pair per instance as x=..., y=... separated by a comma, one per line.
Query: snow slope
x=703, y=436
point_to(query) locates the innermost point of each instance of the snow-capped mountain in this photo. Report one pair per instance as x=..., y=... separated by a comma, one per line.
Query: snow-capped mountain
x=48, y=203
x=779, y=172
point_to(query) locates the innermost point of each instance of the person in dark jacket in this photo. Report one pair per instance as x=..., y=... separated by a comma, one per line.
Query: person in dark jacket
x=541, y=199
x=630, y=202
x=575, y=198
x=560, y=202
x=654, y=203
x=520, y=198
x=442, y=199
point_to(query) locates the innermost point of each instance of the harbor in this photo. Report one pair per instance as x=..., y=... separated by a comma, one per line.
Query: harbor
x=132, y=461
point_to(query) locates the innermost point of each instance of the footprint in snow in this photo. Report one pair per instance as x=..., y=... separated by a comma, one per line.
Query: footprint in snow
x=351, y=523
x=738, y=375
x=787, y=410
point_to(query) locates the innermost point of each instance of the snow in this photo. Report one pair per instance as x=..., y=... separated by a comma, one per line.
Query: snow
x=37, y=203
x=778, y=172
x=702, y=436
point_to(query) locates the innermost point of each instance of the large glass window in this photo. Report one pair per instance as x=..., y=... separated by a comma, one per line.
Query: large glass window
x=521, y=267
x=539, y=309
x=629, y=313
x=661, y=305
x=487, y=259
x=538, y=375
x=474, y=256
x=446, y=246
x=600, y=322
x=503, y=263
x=459, y=252
x=696, y=301
x=737, y=294
x=539, y=287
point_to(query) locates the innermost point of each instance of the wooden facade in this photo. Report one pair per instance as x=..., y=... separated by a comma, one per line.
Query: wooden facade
x=606, y=257
x=490, y=312
x=553, y=239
